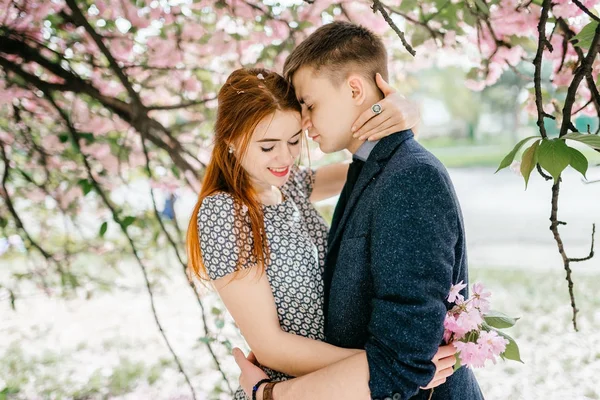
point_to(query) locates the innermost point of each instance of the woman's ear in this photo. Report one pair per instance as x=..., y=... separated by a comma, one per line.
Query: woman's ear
x=357, y=86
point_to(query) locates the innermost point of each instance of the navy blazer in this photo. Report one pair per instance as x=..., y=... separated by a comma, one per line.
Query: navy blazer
x=397, y=249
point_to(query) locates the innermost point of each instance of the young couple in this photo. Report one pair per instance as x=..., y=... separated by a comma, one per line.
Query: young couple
x=357, y=311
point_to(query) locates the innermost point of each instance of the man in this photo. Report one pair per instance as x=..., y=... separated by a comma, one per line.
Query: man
x=396, y=243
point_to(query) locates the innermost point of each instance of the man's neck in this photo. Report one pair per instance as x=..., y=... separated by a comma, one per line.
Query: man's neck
x=354, y=143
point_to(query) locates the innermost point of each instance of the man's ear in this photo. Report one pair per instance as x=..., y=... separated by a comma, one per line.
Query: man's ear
x=357, y=85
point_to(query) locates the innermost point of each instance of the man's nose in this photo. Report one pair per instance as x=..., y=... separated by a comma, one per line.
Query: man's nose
x=306, y=122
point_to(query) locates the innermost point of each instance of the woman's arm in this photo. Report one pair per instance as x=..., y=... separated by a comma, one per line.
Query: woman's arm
x=329, y=181
x=250, y=301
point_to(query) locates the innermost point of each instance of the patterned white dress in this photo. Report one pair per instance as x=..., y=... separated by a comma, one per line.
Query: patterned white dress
x=297, y=239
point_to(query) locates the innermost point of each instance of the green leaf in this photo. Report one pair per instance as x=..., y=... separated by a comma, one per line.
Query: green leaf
x=584, y=38
x=128, y=221
x=103, y=229
x=591, y=140
x=408, y=5
x=554, y=156
x=219, y=323
x=512, y=350
x=457, y=364
x=206, y=340
x=63, y=137
x=529, y=161
x=578, y=161
x=511, y=156
x=3, y=222
x=216, y=311
x=483, y=7
x=86, y=186
x=88, y=137
x=499, y=320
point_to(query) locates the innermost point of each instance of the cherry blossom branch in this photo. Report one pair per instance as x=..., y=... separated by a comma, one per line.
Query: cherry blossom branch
x=13, y=212
x=434, y=33
x=537, y=62
x=586, y=10
x=589, y=257
x=79, y=19
x=584, y=69
x=378, y=6
x=183, y=265
x=554, y=223
x=75, y=137
x=182, y=105
x=594, y=94
x=75, y=84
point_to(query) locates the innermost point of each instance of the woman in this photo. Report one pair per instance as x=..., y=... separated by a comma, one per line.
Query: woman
x=254, y=231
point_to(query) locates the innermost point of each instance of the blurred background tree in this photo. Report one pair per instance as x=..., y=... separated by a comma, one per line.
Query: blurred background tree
x=106, y=112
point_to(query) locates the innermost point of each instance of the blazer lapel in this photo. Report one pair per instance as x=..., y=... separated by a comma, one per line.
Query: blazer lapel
x=376, y=161
x=369, y=171
x=373, y=166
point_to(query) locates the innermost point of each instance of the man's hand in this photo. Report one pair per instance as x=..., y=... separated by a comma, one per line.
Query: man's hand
x=251, y=373
x=397, y=114
x=444, y=361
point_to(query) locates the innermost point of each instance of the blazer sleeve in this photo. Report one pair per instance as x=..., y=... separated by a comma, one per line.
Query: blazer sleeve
x=416, y=229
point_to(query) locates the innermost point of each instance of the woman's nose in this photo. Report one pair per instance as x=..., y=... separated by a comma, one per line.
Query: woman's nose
x=286, y=154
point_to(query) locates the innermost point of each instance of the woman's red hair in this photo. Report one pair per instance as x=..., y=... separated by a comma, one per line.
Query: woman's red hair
x=248, y=96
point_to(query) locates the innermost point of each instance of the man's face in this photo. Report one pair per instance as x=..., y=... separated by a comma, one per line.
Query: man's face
x=328, y=110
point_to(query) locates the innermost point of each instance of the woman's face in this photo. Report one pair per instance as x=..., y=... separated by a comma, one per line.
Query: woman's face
x=273, y=149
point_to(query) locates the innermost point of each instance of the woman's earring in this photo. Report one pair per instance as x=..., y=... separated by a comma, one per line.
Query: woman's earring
x=231, y=149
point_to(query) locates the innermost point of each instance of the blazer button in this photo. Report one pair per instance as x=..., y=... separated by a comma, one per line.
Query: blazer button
x=396, y=396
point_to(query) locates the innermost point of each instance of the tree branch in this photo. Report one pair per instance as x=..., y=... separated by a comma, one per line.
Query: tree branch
x=378, y=6
x=75, y=137
x=182, y=105
x=79, y=19
x=537, y=62
x=586, y=10
x=183, y=265
x=591, y=249
x=566, y=261
x=583, y=70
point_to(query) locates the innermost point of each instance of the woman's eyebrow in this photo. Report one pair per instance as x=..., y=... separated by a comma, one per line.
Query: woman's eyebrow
x=277, y=140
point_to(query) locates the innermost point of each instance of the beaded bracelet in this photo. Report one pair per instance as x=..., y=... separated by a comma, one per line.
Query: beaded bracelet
x=255, y=388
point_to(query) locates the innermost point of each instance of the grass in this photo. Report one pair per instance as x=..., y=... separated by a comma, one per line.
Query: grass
x=558, y=362
x=465, y=154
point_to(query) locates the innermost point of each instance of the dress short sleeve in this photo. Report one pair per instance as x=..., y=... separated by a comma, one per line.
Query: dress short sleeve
x=225, y=236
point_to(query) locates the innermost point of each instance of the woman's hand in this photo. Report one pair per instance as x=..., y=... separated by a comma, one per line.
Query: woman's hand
x=397, y=114
x=251, y=374
x=444, y=361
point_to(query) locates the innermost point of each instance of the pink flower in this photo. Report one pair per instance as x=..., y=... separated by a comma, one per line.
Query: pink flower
x=463, y=322
x=454, y=291
x=470, y=354
x=516, y=167
x=492, y=343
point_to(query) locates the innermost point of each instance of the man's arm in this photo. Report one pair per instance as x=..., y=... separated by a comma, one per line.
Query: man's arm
x=412, y=260
x=413, y=256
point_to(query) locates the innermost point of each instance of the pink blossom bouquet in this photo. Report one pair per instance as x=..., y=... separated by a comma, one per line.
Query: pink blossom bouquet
x=474, y=329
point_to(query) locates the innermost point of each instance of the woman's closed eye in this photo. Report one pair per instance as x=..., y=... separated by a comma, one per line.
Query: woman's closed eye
x=268, y=149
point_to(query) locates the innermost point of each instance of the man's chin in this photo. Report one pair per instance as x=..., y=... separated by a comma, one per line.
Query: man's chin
x=327, y=149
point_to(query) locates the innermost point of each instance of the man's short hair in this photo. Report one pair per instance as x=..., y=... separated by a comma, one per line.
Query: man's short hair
x=338, y=49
